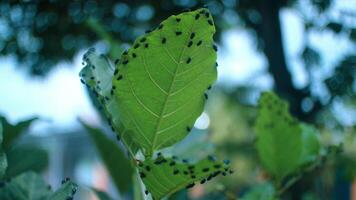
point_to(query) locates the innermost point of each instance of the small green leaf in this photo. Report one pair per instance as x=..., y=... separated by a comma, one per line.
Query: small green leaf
x=260, y=192
x=22, y=159
x=164, y=176
x=11, y=132
x=113, y=157
x=279, y=137
x=311, y=143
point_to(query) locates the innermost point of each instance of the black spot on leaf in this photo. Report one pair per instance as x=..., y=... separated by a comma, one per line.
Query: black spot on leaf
x=215, y=47
x=190, y=185
x=178, y=33
x=210, y=22
x=192, y=35
x=142, y=175
x=197, y=16
x=164, y=40
x=199, y=43
x=189, y=60
x=190, y=43
x=205, y=169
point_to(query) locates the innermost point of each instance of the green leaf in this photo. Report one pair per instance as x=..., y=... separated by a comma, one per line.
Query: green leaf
x=311, y=143
x=260, y=192
x=3, y=160
x=22, y=159
x=97, y=76
x=12, y=132
x=162, y=80
x=164, y=176
x=113, y=157
x=279, y=137
x=30, y=185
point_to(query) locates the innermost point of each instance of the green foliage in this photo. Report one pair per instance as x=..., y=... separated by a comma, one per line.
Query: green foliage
x=163, y=77
x=164, y=176
x=283, y=144
x=31, y=186
x=279, y=137
x=160, y=79
x=12, y=132
x=97, y=75
x=26, y=158
x=119, y=167
x=3, y=160
x=311, y=143
x=264, y=191
x=156, y=92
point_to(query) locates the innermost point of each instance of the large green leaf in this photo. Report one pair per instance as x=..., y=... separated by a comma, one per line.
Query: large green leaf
x=31, y=186
x=279, y=137
x=25, y=158
x=3, y=160
x=117, y=164
x=164, y=176
x=11, y=132
x=161, y=81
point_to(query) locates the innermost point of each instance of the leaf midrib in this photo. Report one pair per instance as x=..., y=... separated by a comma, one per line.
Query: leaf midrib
x=168, y=95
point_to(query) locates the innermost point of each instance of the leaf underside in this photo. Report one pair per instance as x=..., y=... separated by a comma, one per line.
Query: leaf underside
x=279, y=136
x=97, y=76
x=162, y=79
x=159, y=84
x=164, y=176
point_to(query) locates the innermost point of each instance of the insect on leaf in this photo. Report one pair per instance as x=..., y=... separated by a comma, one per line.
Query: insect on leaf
x=164, y=176
x=162, y=79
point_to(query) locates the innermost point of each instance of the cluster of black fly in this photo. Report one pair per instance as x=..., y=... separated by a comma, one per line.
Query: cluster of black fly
x=184, y=168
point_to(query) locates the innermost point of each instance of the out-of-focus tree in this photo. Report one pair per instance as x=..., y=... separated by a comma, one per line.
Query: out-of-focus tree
x=42, y=33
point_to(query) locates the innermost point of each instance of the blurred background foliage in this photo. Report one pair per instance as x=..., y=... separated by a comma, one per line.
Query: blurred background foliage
x=41, y=34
